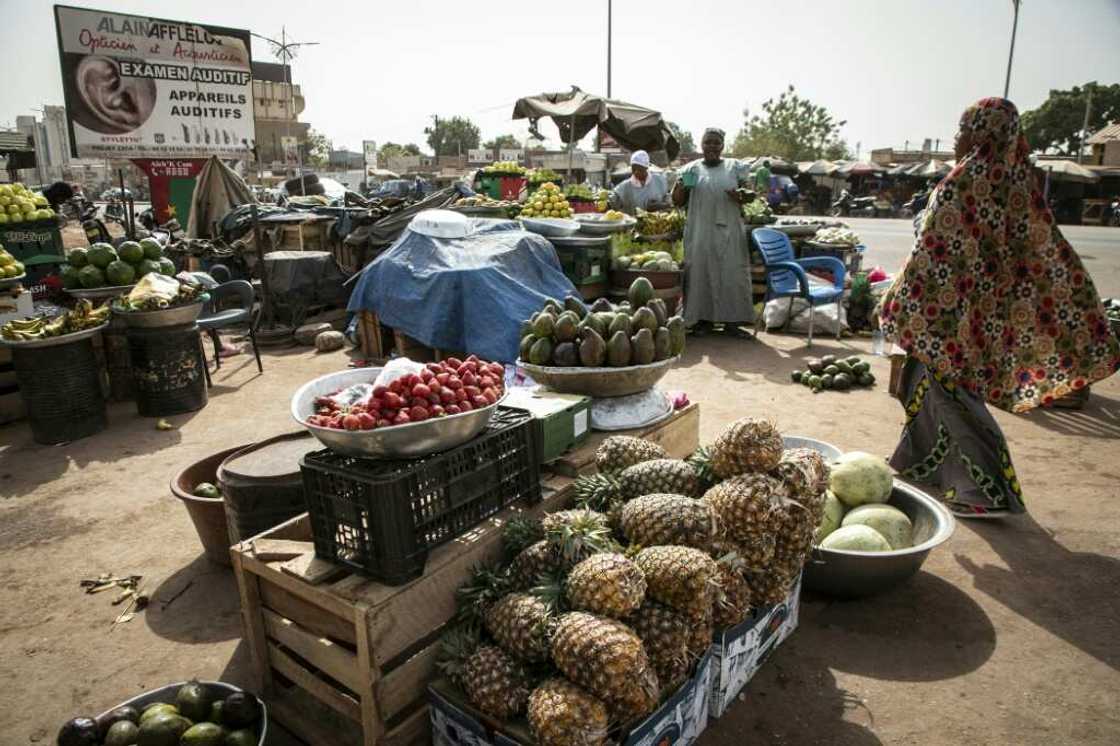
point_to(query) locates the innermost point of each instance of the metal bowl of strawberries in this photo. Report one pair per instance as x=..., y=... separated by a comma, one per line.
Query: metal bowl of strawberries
x=372, y=426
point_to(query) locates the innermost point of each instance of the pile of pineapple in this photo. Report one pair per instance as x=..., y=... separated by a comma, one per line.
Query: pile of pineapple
x=601, y=612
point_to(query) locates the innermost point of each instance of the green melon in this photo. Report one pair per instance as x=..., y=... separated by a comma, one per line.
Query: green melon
x=167, y=267
x=101, y=255
x=152, y=249
x=91, y=277
x=131, y=252
x=120, y=273
x=71, y=276
x=77, y=257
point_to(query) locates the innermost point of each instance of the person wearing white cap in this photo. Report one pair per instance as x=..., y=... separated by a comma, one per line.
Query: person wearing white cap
x=644, y=189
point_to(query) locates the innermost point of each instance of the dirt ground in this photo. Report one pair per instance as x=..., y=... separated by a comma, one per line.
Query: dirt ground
x=1009, y=635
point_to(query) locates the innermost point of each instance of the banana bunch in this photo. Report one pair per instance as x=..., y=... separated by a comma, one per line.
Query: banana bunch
x=24, y=330
x=82, y=317
x=657, y=223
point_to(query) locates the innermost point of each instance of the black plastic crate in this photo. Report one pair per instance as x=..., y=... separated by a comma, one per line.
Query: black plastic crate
x=382, y=517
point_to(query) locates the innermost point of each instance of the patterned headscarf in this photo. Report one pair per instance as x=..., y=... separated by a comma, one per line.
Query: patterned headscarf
x=992, y=296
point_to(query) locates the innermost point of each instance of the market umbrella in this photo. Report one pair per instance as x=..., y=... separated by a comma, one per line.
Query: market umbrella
x=217, y=191
x=860, y=168
x=817, y=168
x=933, y=169
x=1067, y=171
x=576, y=113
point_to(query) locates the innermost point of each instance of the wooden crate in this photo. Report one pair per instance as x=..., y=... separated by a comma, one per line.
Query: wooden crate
x=679, y=435
x=306, y=235
x=349, y=258
x=378, y=342
x=342, y=660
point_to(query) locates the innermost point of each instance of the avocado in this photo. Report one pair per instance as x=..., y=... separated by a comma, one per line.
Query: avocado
x=241, y=738
x=861, y=367
x=122, y=733
x=553, y=306
x=675, y=326
x=526, y=327
x=193, y=701
x=206, y=489
x=620, y=323
x=866, y=379
x=215, y=712
x=240, y=710
x=565, y=329
x=826, y=380
x=80, y=731
x=573, y=304
x=566, y=355
x=795, y=376
x=600, y=305
x=544, y=325
x=623, y=306
x=164, y=729
x=843, y=367
x=815, y=365
x=641, y=346
x=541, y=351
x=595, y=321
x=604, y=318
x=592, y=350
x=526, y=345
x=640, y=293
x=618, y=350
x=157, y=708
x=657, y=305
x=644, y=318
x=828, y=360
x=661, y=344
x=831, y=369
x=842, y=382
x=124, y=712
x=204, y=734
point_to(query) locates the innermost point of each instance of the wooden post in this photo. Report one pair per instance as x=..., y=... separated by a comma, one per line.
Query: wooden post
x=266, y=292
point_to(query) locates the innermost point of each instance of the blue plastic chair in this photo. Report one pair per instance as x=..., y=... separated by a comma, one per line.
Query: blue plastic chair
x=786, y=277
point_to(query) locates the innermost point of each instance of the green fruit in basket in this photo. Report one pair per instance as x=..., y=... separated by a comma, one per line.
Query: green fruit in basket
x=675, y=326
x=101, y=255
x=123, y=733
x=204, y=734
x=91, y=277
x=641, y=347
x=241, y=738
x=146, y=267
x=71, y=276
x=544, y=325
x=553, y=307
x=120, y=273
x=645, y=318
x=853, y=361
x=130, y=251
x=592, y=350
x=157, y=708
x=526, y=328
x=240, y=710
x=164, y=729
x=215, y=711
x=565, y=328
x=77, y=257
x=618, y=350
x=541, y=351
x=657, y=305
x=662, y=344
x=526, y=345
x=193, y=701
x=566, y=355
x=152, y=248
x=575, y=305
x=167, y=267
x=116, y=715
x=602, y=304
x=842, y=366
x=640, y=293
x=620, y=324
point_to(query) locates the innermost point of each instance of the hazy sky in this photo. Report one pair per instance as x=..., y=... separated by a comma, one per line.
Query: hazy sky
x=896, y=70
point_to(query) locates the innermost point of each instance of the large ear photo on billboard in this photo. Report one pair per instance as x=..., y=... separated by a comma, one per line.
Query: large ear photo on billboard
x=107, y=101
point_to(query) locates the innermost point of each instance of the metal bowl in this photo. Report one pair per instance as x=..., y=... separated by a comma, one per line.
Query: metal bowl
x=174, y=316
x=827, y=450
x=213, y=688
x=9, y=282
x=594, y=224
x=599, y=382
x=400, y=441
x=61, y=339
x=852, y=574
x=100, y=293
x=550, y=226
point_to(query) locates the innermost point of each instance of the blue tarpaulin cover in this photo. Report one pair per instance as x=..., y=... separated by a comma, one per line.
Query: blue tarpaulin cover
x=467, y=294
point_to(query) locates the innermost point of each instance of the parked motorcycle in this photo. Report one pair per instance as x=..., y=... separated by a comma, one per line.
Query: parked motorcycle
x=1113, y=216
x=848, y=205
x=93, y=225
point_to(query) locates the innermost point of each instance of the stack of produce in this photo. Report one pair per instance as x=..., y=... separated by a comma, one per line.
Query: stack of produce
x=195, y=719
x=637, y=331
x=601, y=612
x=82, y=317
x=547, y=202
x=103, y=266
x=9, y=267
x=449, y=387
x=833, y=373
x=511, y=208
x=157, y=292
x=758, y=212
x=657, y=261
x=628, y=252
x=668, y=222
x=837, y=237
x=541, y=176
x=18, y=204
x=505, y=168
x=855, y=515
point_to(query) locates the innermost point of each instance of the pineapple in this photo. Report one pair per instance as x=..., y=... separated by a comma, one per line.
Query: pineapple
x=601, y=493
x=518, y=533
x=746, y=446
x=746, y=506
x=494, y=681
x=606, y=584
x=701, y=460
x=608, y=659
x=620, y=451
x=659, y=520
x=700, y=632
x=553, y=522
x=519, y=622
x=805, y=473
x=659, y=476
x=682, y=578
x=534, y=561
x=733, y=604
x=563, y=714
x=771, y=586
x=665, y=635
x=577, y=534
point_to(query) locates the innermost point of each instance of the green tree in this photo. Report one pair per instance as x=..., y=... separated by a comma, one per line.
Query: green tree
x=452, y=136
x=790, y=127
x=508, y=142
x=316, y=149
x=1056, y=125
x=684, y=138
x=837, y=150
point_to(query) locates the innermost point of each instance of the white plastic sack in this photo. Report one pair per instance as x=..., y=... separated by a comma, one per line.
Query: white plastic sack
x=828, y=319
x=398, y=367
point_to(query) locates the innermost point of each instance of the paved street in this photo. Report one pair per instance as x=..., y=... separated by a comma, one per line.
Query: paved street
x=889, y=241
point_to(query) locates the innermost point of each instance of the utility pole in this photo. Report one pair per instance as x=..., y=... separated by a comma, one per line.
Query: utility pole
x=609, y=14
x=1011, y=54
x=285, y=51
x=1085, y=123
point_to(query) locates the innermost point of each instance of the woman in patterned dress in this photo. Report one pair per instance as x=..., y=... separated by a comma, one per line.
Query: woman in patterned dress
x=993, y=305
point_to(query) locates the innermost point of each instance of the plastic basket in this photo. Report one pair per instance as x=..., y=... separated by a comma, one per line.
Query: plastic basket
x=61, y=386
x=381, y=518
x=168, y=370
x=585, y=265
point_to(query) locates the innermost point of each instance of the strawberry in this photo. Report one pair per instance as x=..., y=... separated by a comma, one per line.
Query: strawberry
x=374, y=405
x=351, y=422
x=421, y=391
x=442, y=378
x=388, y=414
x=435, y=386
x=434, y=399
x=379, y=391
x=426, y=375
x=489, y=395
x=396, y=387
x=470, y=379
x=453, y=409
x=366, y=422
x=402, y=418
x=480, y=402
x=434, y=367
x=465, y=406
x=454, y=383
x=323, y=410
x=394, y=401
x=472, y=358
x=436, y=410
x=453, y=362
x=383, y=422
x=461, y=396
x=472, y=391
x=335, y=425
x=496, y=370
x=418, y=401
x=468, y=368
x=447, y=396
x=486, y=382
x=418, y=414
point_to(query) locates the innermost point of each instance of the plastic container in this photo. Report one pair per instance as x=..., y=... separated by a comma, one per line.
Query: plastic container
x=381, y=518
x=261, y=484
x=61, y=387
x=441, y=224
x=118, y=363
x=585, y=261
x=167, y=370
x=207, y=513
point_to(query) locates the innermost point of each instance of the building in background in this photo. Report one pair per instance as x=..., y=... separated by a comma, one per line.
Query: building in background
x=1106, y=146
x=276, y=106
x=346, y=160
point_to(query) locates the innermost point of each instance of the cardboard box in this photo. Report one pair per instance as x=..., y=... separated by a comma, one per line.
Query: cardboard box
x=738, y=652
x=679, y=721
x=560, y=421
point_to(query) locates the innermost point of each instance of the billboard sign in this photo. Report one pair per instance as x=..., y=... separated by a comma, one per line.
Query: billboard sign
x=510, y=155
x=140, y=87
x=369, y=150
